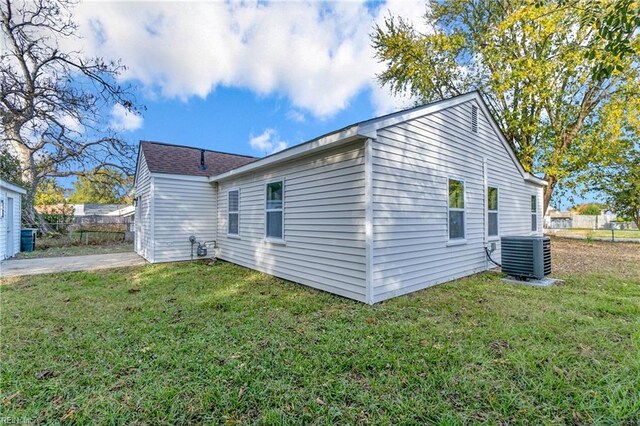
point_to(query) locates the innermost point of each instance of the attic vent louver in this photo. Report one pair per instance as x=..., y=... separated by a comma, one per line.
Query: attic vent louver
x=203, y=166
x=474, y=119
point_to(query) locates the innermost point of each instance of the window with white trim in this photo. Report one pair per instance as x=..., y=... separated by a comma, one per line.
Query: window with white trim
x=492, y=211
x=233, y=212
x=274, y=208
x=534, y=213
x=456, y=209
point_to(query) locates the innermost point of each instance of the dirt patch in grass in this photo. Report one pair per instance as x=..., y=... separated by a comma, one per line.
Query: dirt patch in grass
x=69, y=249
x=579, y=257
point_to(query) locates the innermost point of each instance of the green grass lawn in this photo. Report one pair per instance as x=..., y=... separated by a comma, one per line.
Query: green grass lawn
x=189, y=343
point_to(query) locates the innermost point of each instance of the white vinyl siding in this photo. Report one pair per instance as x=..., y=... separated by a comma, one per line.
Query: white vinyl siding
x=183, y=206
x=233, y=212
x=412, y=164
x=10, y=249
x=143, y=219
x=493, y=220
x=324, y=214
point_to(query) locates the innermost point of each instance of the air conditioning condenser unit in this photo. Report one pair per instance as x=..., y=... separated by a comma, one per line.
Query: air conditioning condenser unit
x=526, y=257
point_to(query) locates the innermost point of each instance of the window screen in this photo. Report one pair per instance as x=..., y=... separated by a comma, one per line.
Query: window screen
x=275, y=210
x=456, y=209
x=492, y=207
x=234, y=212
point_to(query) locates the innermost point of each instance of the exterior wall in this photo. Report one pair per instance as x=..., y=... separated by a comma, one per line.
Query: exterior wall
x=182, y=206
x=6, y=193
x=324, y=230
x=143, y=217
x=411, y=165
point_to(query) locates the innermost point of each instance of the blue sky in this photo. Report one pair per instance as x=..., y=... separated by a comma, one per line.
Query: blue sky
x=250, y=77
x=229, y=118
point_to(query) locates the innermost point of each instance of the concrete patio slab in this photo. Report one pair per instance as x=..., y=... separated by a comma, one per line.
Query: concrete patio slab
x=546, y=282
x=49, y=265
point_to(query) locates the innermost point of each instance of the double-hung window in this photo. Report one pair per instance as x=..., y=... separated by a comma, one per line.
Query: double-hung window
x=492, y=211
x=534, y=213
x=274, y=229
x=456, y=210
x=233, y=212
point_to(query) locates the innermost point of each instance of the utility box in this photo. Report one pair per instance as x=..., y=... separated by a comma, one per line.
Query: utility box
x=526, y=257
x=28, y=239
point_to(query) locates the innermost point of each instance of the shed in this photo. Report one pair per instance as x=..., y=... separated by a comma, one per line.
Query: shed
x=380, y=208
x=10, y=217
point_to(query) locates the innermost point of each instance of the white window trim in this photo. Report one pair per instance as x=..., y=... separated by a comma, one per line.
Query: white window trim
x=229, y=212
x=463, y=240
x=266, y=238
x=497, y=236
x=531, y=214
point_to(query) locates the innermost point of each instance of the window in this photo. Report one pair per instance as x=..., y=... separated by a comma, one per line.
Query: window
x=534, y=213
x=233, y=212
x=456, y=209
x=492, y=207
x=275, y=211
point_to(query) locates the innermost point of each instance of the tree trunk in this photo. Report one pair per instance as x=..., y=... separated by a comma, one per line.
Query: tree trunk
x=548, y=191
x=30, y=177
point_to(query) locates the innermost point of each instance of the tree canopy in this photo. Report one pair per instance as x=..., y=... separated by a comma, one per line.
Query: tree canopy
x=49, y=192
x=620, y=184
x=55, y=102
x=561, y=77
x=593, y=209
x=105, y=185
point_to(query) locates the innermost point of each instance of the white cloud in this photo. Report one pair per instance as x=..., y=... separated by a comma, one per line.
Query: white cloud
x=296, y=116
x=268, y=142
x=124, y=120
x=318, y=55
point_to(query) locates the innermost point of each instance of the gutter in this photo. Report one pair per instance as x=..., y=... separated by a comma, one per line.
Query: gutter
x=528, y=177
x=327, y=141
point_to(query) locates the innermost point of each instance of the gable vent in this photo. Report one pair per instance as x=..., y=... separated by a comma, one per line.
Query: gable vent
x=474, y=119
x=203, y=166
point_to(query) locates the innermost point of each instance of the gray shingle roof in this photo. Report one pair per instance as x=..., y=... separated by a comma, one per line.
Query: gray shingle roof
x=185, y=160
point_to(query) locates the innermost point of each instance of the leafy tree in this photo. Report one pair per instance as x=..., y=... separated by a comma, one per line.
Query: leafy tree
x=49, y=192
x=107, y=185
x=621, y=185
x=592, y=209
x=557, y=75
x=10, y=168
x=54, y=102
x=615, y=23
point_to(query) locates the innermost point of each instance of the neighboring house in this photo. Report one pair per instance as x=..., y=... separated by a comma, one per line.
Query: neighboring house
x=127, y=211
x=97, y=209
x=556, y=219
x=86, y=209
x=10, y=218
x=378, y=209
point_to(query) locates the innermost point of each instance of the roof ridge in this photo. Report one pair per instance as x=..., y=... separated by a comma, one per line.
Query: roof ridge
x=199, y=149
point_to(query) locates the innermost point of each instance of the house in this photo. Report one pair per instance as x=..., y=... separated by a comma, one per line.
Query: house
x=377, y=209
x=86, y=209
x=98, y=209
x=10, y=217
